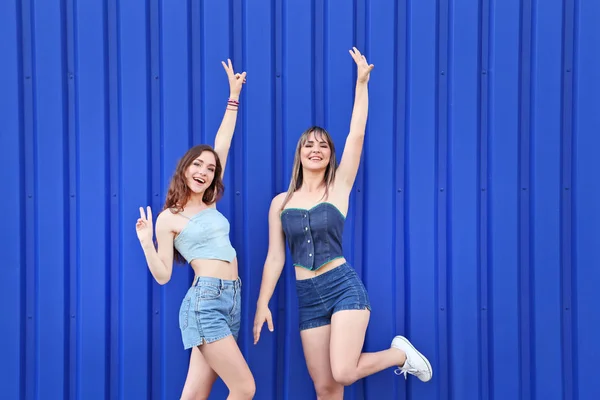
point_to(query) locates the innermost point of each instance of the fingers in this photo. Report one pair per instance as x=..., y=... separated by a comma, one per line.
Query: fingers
x=142, y=215
x=149, y=213
x=358, y=57
x=270, y=323
x=229, y=69
x=257, y=329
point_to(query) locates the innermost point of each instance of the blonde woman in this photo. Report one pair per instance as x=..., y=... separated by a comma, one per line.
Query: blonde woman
x=334, y=306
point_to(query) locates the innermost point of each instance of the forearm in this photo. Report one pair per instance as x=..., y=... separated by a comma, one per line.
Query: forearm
x=158, y=269
x=360, y=110
x=271, y=273
x=227, y=127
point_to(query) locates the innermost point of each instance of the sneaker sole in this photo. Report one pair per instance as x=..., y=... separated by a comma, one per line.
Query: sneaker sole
x=405, y=340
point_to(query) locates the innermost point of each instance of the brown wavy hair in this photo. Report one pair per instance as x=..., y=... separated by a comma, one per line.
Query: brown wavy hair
x=297, y=175
x=179, y=193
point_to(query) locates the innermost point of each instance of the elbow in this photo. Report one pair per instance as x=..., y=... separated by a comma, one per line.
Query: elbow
x=162, y=280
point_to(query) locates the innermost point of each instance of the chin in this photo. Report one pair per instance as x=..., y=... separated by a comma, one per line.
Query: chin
x=314, y=168
x=197, y=190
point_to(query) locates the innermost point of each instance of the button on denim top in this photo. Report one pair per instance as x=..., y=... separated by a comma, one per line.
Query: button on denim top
x=205, y=236
x=314, y=235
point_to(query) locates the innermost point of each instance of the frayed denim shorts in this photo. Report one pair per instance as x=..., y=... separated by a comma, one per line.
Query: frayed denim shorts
x=322, y=296
x=210, y=311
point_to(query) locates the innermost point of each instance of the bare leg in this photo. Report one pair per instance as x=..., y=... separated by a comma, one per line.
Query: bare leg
x=315, y=343
x=348, y=363
x=200, y=378
x=226, y=359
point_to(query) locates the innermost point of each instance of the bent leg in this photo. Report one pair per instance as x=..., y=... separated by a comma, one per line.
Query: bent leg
x=348, y=362
x=200, y=378
x=315, y=343
x=226, y=359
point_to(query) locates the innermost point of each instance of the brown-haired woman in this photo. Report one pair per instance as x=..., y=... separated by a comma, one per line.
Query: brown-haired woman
x=190, y=229
x=334, y=307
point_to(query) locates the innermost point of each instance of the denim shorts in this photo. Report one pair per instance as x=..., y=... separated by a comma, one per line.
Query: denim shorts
x=210, y=311
x=335, y=290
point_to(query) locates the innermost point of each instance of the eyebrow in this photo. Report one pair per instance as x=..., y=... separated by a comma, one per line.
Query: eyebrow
x=312, y=141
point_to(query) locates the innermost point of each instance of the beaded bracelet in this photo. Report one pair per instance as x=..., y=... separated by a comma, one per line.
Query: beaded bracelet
x=232, y=104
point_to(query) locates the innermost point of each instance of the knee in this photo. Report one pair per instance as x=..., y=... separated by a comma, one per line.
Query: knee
x=246, y=390
x=344, y=376
x=329, y=390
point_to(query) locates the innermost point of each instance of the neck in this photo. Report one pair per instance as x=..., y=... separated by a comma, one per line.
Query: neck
x=195, y=200
x=312, y=181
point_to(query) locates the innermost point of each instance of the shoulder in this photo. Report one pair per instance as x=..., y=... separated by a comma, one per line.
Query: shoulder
x=278, y=200
x=165, y=219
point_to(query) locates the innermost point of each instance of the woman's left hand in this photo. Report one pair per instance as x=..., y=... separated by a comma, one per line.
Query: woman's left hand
x=363, y=68
x=235, y=80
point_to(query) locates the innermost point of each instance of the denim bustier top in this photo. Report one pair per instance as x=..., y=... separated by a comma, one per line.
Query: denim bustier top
x=314, y=235
x=205, y=236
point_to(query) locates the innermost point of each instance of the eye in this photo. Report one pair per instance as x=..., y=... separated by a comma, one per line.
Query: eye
x=196, y=163
x=211, y=169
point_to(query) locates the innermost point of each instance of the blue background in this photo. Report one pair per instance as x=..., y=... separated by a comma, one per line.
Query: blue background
x=474, y=221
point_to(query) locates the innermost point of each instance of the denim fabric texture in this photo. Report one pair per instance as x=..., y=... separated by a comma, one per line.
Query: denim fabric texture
x=314, y=235
x=322, y=296
x=210, y=311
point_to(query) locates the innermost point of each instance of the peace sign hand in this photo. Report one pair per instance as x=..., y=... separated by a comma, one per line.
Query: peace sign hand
x=143, y=227
x=235, y=80
x=363, y=68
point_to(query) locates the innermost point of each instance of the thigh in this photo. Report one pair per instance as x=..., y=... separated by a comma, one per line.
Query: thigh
x=226, y=359
x=200, y=377
x=315, y=343
x=348, y=330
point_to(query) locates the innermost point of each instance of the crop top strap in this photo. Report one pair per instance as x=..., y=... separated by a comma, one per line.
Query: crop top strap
x=180, y=213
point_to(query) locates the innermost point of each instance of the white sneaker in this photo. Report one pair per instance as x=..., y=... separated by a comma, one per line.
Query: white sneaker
x=416, y=363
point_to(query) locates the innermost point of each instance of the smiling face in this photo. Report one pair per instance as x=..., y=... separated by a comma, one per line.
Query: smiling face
x=198, y=172
x=201, y=172
x=315, y=153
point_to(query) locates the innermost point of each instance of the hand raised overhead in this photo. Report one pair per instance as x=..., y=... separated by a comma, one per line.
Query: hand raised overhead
x=363, y=68
x=236, y=80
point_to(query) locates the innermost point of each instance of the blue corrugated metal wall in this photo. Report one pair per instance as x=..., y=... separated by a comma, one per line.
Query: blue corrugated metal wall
x=474, y=221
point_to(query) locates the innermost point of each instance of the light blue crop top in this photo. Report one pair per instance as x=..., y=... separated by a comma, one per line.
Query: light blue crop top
x=205, y=236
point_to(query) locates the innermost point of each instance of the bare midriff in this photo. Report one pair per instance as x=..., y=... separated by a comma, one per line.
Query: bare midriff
x=303, y=273
x=216, y=269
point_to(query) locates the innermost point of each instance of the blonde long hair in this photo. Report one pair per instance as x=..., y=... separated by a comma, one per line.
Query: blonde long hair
x=296, y=180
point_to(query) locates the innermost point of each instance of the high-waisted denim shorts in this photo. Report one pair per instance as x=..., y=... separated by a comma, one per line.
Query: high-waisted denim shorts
x=322, y=296
x=210, y=311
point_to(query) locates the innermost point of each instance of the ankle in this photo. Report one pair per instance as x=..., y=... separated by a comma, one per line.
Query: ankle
x=399, y=357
